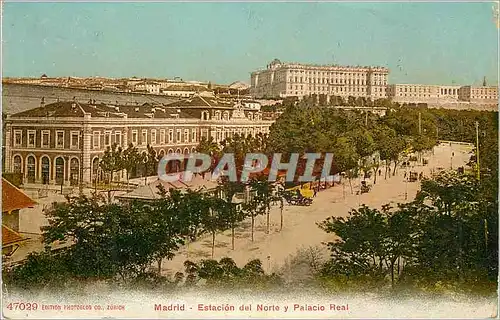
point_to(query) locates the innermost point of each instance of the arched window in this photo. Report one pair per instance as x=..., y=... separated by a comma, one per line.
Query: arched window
x=225, y=116
x=217, y=115
x=205, y=115
x=18, y=164
x=74, y=171
x=59, y=170
x=31, y=169
x=45, y=170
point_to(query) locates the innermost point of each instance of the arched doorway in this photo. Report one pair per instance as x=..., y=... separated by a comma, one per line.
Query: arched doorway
x=31, y=169
x=45, y=170
x=59, y=170
x=18, y=164
x=74, y=171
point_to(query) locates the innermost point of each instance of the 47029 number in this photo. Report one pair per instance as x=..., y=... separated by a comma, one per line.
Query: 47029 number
x=22, y=306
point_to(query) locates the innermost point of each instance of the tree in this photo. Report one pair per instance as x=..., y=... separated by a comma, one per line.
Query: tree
x=150, y=162
x=228, y=190
x=111, y=162
x=130, y=159
x=345, y=156
x=209, y=147
x=109, y=239
x=217, y=218
x=263, y=196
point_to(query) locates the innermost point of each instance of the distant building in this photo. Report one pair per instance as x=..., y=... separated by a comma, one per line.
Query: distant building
x=147, y=86
x=442, y=94
x=479, y=95
x=281, y=80
x=184, y=91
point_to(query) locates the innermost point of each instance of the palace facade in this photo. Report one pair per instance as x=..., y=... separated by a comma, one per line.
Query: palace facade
x=281, y=80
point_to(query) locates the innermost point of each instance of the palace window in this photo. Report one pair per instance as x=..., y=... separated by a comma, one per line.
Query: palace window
x=75, y=139
x=107, y=138
x=153, y=137
x=118, y=138
x=135, y=136
x=18, y=138
x=31, y=138
x=170, y=136
x=178, y=138
x=45, y=139
x=162, y=136
x=186, y=135
x=96, y=143
x=144, y=139
x=60, y=139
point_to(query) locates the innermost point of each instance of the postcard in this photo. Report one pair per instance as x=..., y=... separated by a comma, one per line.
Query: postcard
x=235, y=160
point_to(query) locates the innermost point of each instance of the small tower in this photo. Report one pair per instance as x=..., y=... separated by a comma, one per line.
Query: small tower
x=484, y=81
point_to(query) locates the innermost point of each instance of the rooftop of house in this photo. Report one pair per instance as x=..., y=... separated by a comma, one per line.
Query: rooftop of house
x=182, y=108
x=78, y=109
x=151, y=191
x=10, y=237
x=13, y=198
x=187, y=87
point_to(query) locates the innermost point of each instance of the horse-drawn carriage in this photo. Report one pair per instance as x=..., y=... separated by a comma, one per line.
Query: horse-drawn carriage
x=365, y=188
x=413, y=177
x=295, y=197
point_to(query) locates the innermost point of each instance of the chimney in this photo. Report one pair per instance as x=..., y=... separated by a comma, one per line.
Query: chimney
x=42, y=103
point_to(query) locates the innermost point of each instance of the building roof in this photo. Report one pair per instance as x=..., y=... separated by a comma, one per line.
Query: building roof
x=13, y=198
x=239, y=85
x=198, y=101
x=186, y=87
x=10, y=237
x=76, y=109
x=150, y=191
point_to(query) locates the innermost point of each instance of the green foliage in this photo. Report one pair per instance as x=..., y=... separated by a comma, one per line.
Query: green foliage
x=448, y=234
x=226, y=275
x=112, y=160
x=130, y=158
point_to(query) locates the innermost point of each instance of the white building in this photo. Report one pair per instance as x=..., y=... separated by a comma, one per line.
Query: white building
x=295, y=79
x=442, y=94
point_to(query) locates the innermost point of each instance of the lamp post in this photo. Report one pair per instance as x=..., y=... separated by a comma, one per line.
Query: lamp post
x=477, y=152
x=406, y=185
x=235, y=201
x=343, y=184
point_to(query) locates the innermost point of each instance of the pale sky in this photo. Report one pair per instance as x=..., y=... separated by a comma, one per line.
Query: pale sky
x=432, y=43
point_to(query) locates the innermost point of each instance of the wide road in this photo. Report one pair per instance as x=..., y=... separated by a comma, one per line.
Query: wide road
x=300, y=229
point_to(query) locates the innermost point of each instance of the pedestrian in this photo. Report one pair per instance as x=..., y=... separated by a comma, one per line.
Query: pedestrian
x=379, y=172
x=405, y=174
x=315, y=191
